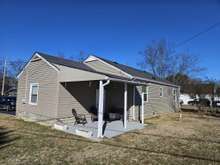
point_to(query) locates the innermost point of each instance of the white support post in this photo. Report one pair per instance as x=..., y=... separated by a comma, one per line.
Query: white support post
x=125, y=104
x=100, y=110
x=133, y=113
x=142, y=108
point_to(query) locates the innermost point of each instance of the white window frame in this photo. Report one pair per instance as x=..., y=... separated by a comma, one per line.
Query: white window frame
x=146, y=93
x=30, y=93
x=161, y=92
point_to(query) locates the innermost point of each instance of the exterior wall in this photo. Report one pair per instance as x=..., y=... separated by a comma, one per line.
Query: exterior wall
x=104, y=68
x=156, y=104
x=78, y=95
x=40, y=72
x=67, y=74
x=115, y=95
x=82, y=95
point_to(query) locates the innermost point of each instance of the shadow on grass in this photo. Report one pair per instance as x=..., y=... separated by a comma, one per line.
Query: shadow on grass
x=116, y=144
x=6, y=138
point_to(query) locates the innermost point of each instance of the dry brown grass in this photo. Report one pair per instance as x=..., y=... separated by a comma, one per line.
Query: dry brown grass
x=166, y=139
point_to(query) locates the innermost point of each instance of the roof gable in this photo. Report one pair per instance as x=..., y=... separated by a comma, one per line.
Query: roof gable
x=95, y=58
x=133, y=72
x=34, y=57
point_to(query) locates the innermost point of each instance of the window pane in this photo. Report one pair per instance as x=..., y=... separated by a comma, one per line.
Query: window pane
x=34, y=90
x=161, y=91
x=34, y=93
x=145, y=97
x=34, y=98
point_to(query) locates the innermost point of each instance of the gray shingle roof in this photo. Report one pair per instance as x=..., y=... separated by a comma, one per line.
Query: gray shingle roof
x=80, y=65
x=130, y=70
x=134, y=72
x=66, y=62
x=74, y=64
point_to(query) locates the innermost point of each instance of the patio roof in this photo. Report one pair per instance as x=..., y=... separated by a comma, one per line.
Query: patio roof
x=68, y=67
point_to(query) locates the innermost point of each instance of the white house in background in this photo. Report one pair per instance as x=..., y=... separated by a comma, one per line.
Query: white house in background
x=185, y=98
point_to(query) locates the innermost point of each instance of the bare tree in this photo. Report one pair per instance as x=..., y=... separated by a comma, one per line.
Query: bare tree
x=161, y=60
x=16, y=66
x=188, y=64
x=218, y=91
x=157, y=57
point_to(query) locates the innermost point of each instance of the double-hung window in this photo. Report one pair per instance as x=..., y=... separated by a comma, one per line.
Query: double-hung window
x=33, y=95
x=145, y=93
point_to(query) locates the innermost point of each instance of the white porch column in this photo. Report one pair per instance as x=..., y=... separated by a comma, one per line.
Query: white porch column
x=133, y=112
x=100, y=110
x=142, y=108
x=125, y=104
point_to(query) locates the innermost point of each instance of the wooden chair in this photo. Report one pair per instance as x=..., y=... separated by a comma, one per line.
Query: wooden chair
x=79, y=118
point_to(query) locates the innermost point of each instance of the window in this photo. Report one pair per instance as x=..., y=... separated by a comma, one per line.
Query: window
x=145, y=93
x=161, y=92
x=174, y=95
x=33, y=96
x=174, y=92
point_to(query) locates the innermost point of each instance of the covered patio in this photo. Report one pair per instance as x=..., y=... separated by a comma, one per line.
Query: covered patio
x=120, y=126
x=104, y=94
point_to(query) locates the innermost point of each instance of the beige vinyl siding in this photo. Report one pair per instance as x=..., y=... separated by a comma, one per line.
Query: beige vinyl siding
x=156, y=104
x=67, y=74
x=104, y=68
x=39, y=72
x=115, y=95
x=78, y=95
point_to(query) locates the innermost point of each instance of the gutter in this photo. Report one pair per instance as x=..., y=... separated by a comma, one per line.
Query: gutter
x=132, y=81
x=157, y=82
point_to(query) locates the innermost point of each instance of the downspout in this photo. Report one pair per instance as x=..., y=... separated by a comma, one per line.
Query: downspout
x=107, y=82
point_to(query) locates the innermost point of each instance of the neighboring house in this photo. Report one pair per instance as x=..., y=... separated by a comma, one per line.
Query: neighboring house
x=50, y=87
x=185, y=98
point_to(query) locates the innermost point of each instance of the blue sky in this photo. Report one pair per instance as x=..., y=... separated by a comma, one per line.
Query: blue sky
x=116, y=30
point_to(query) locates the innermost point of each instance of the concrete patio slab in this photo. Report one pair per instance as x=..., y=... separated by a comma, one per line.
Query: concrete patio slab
x=111, y=129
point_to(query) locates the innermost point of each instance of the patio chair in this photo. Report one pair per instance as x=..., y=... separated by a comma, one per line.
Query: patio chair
x=79, y=118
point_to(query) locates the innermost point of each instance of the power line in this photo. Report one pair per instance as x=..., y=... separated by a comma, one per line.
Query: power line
x=197, y=34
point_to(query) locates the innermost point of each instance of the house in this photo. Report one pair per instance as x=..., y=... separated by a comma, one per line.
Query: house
x=50, y=87
x=185, y=98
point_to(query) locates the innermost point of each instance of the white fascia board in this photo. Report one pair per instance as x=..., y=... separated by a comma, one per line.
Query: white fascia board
x=157, y=82
x=36, y=55
x=47, y=62
x=127, y=81
x=93, y=58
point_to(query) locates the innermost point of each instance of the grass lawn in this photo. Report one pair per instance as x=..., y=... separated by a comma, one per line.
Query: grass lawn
x=165, y=140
